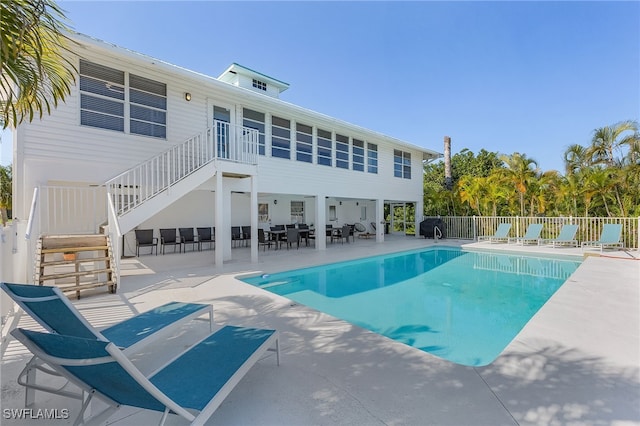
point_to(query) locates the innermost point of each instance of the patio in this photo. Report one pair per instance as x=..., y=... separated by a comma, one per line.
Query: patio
x=577, y=361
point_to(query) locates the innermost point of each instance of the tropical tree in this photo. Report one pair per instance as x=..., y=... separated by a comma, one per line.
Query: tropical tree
x=575, y=159
x=471, y=191
x=609, y=139
x=5, y=192
x=519, y=171
x=35, y=75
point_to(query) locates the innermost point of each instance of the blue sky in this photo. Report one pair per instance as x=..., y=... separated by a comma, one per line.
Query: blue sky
x=529, y=77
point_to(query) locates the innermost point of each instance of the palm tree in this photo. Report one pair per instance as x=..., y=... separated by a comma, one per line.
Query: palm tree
x=607, y=139
x=34, y=73
x=520, y=170
x=575, y=159
x=470, y=190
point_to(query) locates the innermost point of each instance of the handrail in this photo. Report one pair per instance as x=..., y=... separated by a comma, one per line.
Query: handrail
x=157, y=174
x=114, y=237
x=436, y=235
x=32, y=214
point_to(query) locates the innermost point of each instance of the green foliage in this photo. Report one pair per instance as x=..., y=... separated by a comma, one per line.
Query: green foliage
x=34, y=73
x=602, y=179
x=5, y=192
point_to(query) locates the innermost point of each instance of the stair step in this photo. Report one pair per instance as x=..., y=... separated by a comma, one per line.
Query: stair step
x=74, y=274
x=73, y=249
x=92, y=270
x=77, y=288
x=71, y=262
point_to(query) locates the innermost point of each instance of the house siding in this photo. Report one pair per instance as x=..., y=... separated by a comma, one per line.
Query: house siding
x=58, y=149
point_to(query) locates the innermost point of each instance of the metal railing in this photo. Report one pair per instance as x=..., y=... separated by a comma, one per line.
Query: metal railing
x=589, y=228
x=149, y=178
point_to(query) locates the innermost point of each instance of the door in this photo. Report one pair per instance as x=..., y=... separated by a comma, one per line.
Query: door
x=402, y=218
x=222, y=125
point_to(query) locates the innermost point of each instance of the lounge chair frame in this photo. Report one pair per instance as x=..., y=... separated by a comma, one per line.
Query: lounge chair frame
x=130, y=335
x=154, y=390
x=609, y=238
x=531, y=235
x=501, y=234
x=566, y=237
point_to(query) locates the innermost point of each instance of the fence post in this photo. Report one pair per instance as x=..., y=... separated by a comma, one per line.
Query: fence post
x=475, y=229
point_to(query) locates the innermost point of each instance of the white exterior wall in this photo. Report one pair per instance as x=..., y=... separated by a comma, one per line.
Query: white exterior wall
x=57, y=149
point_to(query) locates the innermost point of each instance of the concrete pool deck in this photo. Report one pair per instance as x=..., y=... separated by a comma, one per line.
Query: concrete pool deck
x=576, y=362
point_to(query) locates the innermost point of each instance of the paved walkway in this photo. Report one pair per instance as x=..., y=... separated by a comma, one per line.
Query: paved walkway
x=576, y=362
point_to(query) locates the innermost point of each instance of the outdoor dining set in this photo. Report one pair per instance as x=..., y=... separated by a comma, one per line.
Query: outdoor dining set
x=279, y=235
x=276, y=236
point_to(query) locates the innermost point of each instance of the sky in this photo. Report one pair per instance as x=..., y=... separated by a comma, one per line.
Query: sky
x=508, y=76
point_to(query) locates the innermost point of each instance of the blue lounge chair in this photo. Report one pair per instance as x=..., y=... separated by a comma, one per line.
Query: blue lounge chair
x=197, y=380
x=54, y=311
x=567, y=236
x=501, y=234
x=610, y=238
x=531, y=236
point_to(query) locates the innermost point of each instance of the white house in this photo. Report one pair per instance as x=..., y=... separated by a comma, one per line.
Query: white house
x=141, y=143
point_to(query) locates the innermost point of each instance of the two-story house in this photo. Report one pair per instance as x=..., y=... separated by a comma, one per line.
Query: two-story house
x=141, y=143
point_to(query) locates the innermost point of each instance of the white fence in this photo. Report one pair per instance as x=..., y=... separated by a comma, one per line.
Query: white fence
x=589, y=228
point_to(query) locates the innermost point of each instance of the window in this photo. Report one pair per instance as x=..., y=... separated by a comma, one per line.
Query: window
x=372, y=158
x=101, y=96
x=342, y=151
x=263, y=212
x=324, y=148
x=332, y=213
x=304, y=143
x=255, y=120
x=102, y=101
x=148, y=107
x=280, y=137
x=401, y=164
x=358, y=155
x=259, y=84
x=297, y=212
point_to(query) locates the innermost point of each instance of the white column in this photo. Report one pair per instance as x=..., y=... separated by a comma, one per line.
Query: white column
x=418, y=216
x=254, y=219
x=218, y=221
x=380, y=225
x=321, y=222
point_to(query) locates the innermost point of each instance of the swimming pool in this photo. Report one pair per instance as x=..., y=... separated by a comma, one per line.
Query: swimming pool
x=463, y=306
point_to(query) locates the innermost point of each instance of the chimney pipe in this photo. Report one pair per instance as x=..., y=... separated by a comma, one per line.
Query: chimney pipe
x=448, y=180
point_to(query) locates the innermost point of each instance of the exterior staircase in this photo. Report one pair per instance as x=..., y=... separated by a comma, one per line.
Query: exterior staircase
x=76, y=263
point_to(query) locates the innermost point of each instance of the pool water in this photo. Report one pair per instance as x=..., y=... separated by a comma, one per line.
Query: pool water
x=463, y=306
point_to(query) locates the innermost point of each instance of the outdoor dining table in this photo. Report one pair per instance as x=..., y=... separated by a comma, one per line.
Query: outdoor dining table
x=276, y=235
x=304, y=233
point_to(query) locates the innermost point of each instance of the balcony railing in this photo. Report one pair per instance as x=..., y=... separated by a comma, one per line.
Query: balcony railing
x=149, y=178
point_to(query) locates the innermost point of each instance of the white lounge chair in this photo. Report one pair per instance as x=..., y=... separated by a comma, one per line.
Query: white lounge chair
x=197, y=380
x=610, y=238
x=501, y=234
x=566, y=237
x=531, y=236
x=50, y=308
